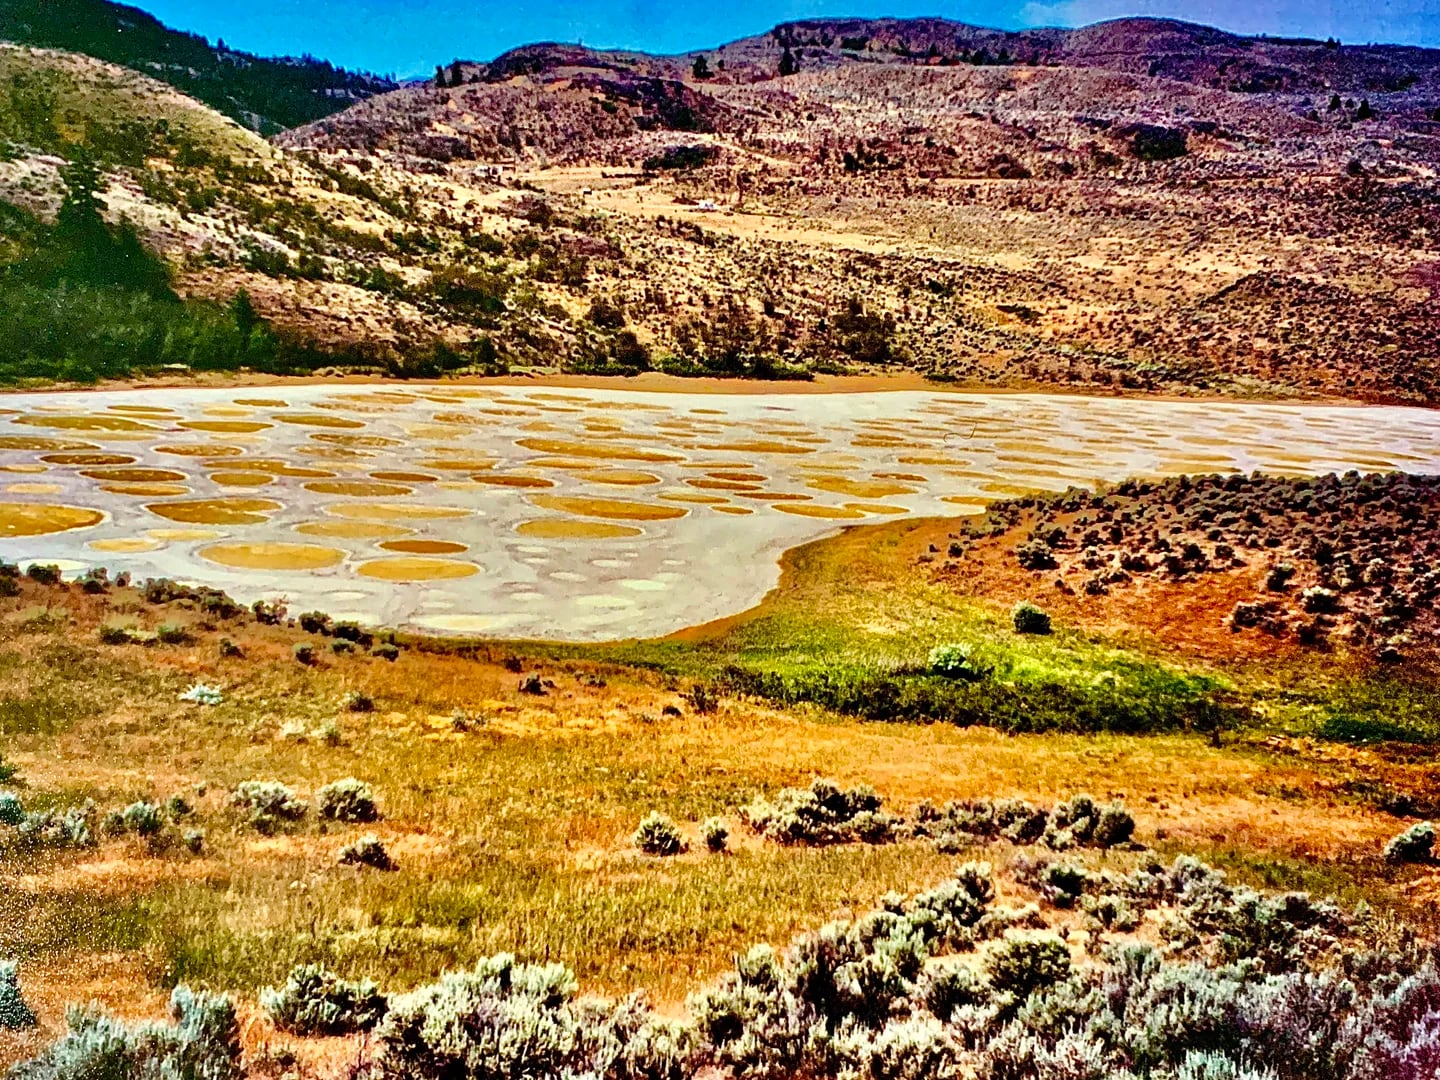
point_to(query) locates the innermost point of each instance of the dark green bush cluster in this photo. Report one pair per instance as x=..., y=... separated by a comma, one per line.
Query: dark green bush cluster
x=316, y=1001
x=366, y=851
x=349, y=633
x=1029, y=619
x=682, y=157
x=213, y=602
x=657, y=835
x=347, y=800
x=14, y=1012
x=822, y=814
x=904, y=696
x=1416, y=844
x=715, y=834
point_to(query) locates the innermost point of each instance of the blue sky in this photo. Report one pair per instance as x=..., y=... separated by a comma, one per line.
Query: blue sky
x=409, y=37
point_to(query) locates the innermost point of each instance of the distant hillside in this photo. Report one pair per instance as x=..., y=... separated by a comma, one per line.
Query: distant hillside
x=266, y=95
x=1167, y=48
x=53, y=101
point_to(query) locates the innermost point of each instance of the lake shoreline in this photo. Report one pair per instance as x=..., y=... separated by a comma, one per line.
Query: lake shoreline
x=679, y=385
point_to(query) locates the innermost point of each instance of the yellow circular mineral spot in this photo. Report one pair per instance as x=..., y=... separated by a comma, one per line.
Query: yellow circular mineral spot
x=182, y=535
x=816, y=510
x=395, y=512
x=216, y=511
x=126, y=545
x=325, y=420
x=607, y=451
x=860, y=489
x=153, y=491
x=40, y=442
x=231, y=427
x=263, y=403
x=241, y=479
x=40, y=519
x=353, y=530
x=417, y=569
x=760, y=446
x=32, y=487
x=876, y=508
x=404, y=477
x=424, y=547
x=619, y=509
x=566, y=529
x=273, y=556
x=733, y=510
x=360, y=488
x=687, y=497
x=84, y=423
x=88, y=459
x=134, y=476
x=513, y=480
x=143, y=410
x=202, y=450
x=620, y=477
x=371, y=442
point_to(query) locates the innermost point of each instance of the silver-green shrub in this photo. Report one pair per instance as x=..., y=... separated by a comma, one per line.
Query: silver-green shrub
x=202, y=1044
x=270, y=803
x=822, y=814
x=316, y=1001
x=1024, y=961
x=58, y=829
x=142, y=818
x=504, y=1020
x=917, y=1047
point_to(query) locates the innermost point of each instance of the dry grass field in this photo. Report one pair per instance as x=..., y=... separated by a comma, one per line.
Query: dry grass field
x=508, y=806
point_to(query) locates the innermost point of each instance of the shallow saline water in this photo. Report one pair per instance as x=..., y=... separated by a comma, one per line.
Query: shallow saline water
x=580, y=514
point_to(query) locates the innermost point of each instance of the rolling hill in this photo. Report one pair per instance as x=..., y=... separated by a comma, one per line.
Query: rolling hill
x=266, y=95
x=1129, y=206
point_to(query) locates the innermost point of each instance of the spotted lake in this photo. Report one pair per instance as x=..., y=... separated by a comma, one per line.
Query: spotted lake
x=580, y=514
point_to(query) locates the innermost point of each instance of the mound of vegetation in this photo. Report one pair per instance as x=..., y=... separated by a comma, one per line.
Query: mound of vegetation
x=1348, y=557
